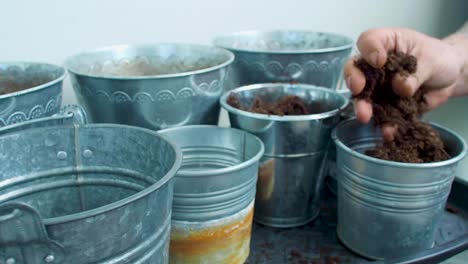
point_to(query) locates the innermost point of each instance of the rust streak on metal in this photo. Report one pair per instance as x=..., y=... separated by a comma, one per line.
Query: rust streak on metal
x=230, y=241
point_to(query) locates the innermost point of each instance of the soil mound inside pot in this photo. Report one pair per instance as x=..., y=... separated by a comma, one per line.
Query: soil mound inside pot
x=415, y=141
x=287, y=105
x=10, y=86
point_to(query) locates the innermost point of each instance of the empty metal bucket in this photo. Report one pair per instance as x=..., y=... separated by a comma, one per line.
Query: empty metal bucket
x=86, y=194
x=29, y=90
x=214, y=194
x=389, y=209
x=293, y=168
x=286, y=56
x=152, y=86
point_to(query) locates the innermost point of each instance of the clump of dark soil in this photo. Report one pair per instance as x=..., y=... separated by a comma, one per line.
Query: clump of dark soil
x=415, y=140
x=287, y=105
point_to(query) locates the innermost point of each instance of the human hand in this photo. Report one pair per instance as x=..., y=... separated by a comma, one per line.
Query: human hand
x=439, y=67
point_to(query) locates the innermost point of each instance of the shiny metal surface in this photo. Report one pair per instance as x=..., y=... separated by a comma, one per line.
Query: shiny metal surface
x=448, y=115
x=68, y=115
x=29, y=90
x=286, y=56
x=293, y=168
x=223, y=240
x=86, y=194
x=214, y=192
x=153, y=86
x=218, y=173
x=317, y=242
x=389, y=209
x=331, y=180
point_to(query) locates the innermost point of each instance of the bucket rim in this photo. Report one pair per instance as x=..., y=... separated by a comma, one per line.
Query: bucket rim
x=288, y=118
x=347, y=42
x=221, y=171
x=69, y=61
x=62, y=74
x=127, y=200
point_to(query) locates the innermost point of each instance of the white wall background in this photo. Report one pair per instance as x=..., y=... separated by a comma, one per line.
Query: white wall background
x=50, y=30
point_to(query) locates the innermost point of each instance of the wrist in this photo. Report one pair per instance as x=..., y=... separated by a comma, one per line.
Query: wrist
x=459, y=44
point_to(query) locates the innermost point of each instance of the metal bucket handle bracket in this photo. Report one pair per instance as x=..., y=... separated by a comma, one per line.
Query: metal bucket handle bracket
x=68, y=115
x=23, y=237
x=76, y=112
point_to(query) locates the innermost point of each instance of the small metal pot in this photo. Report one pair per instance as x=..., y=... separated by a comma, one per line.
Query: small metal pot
x=389, y=209
x=214, y=194
x=29, y=90
x=293, y=167
x=153, y=86
x=286, y=56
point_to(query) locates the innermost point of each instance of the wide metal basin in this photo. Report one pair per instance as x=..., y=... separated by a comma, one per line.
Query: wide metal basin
x=153, y=86
x=86, y=194
x=286, y=56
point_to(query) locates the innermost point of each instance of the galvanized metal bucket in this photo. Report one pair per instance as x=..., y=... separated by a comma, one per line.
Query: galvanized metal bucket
x=85, y=194
x=153, y=86
x=385, y=208
x=29, y=90
x=214, y=194
x=293, y=168
x=286, y=56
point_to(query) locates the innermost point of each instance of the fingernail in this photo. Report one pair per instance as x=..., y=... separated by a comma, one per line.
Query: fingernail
x=348, y=82
x=373, y=58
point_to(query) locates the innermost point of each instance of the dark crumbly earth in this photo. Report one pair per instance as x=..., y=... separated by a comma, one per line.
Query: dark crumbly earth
x=415, y=140
x=287, y=105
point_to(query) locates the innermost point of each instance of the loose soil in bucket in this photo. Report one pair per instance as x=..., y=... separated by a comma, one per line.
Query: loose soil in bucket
x=287, y=105
x=415, y=140
x=10, y=86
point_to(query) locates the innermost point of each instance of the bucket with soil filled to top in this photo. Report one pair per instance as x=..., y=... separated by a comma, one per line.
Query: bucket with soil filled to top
x=294, y=122
x=391, y=194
